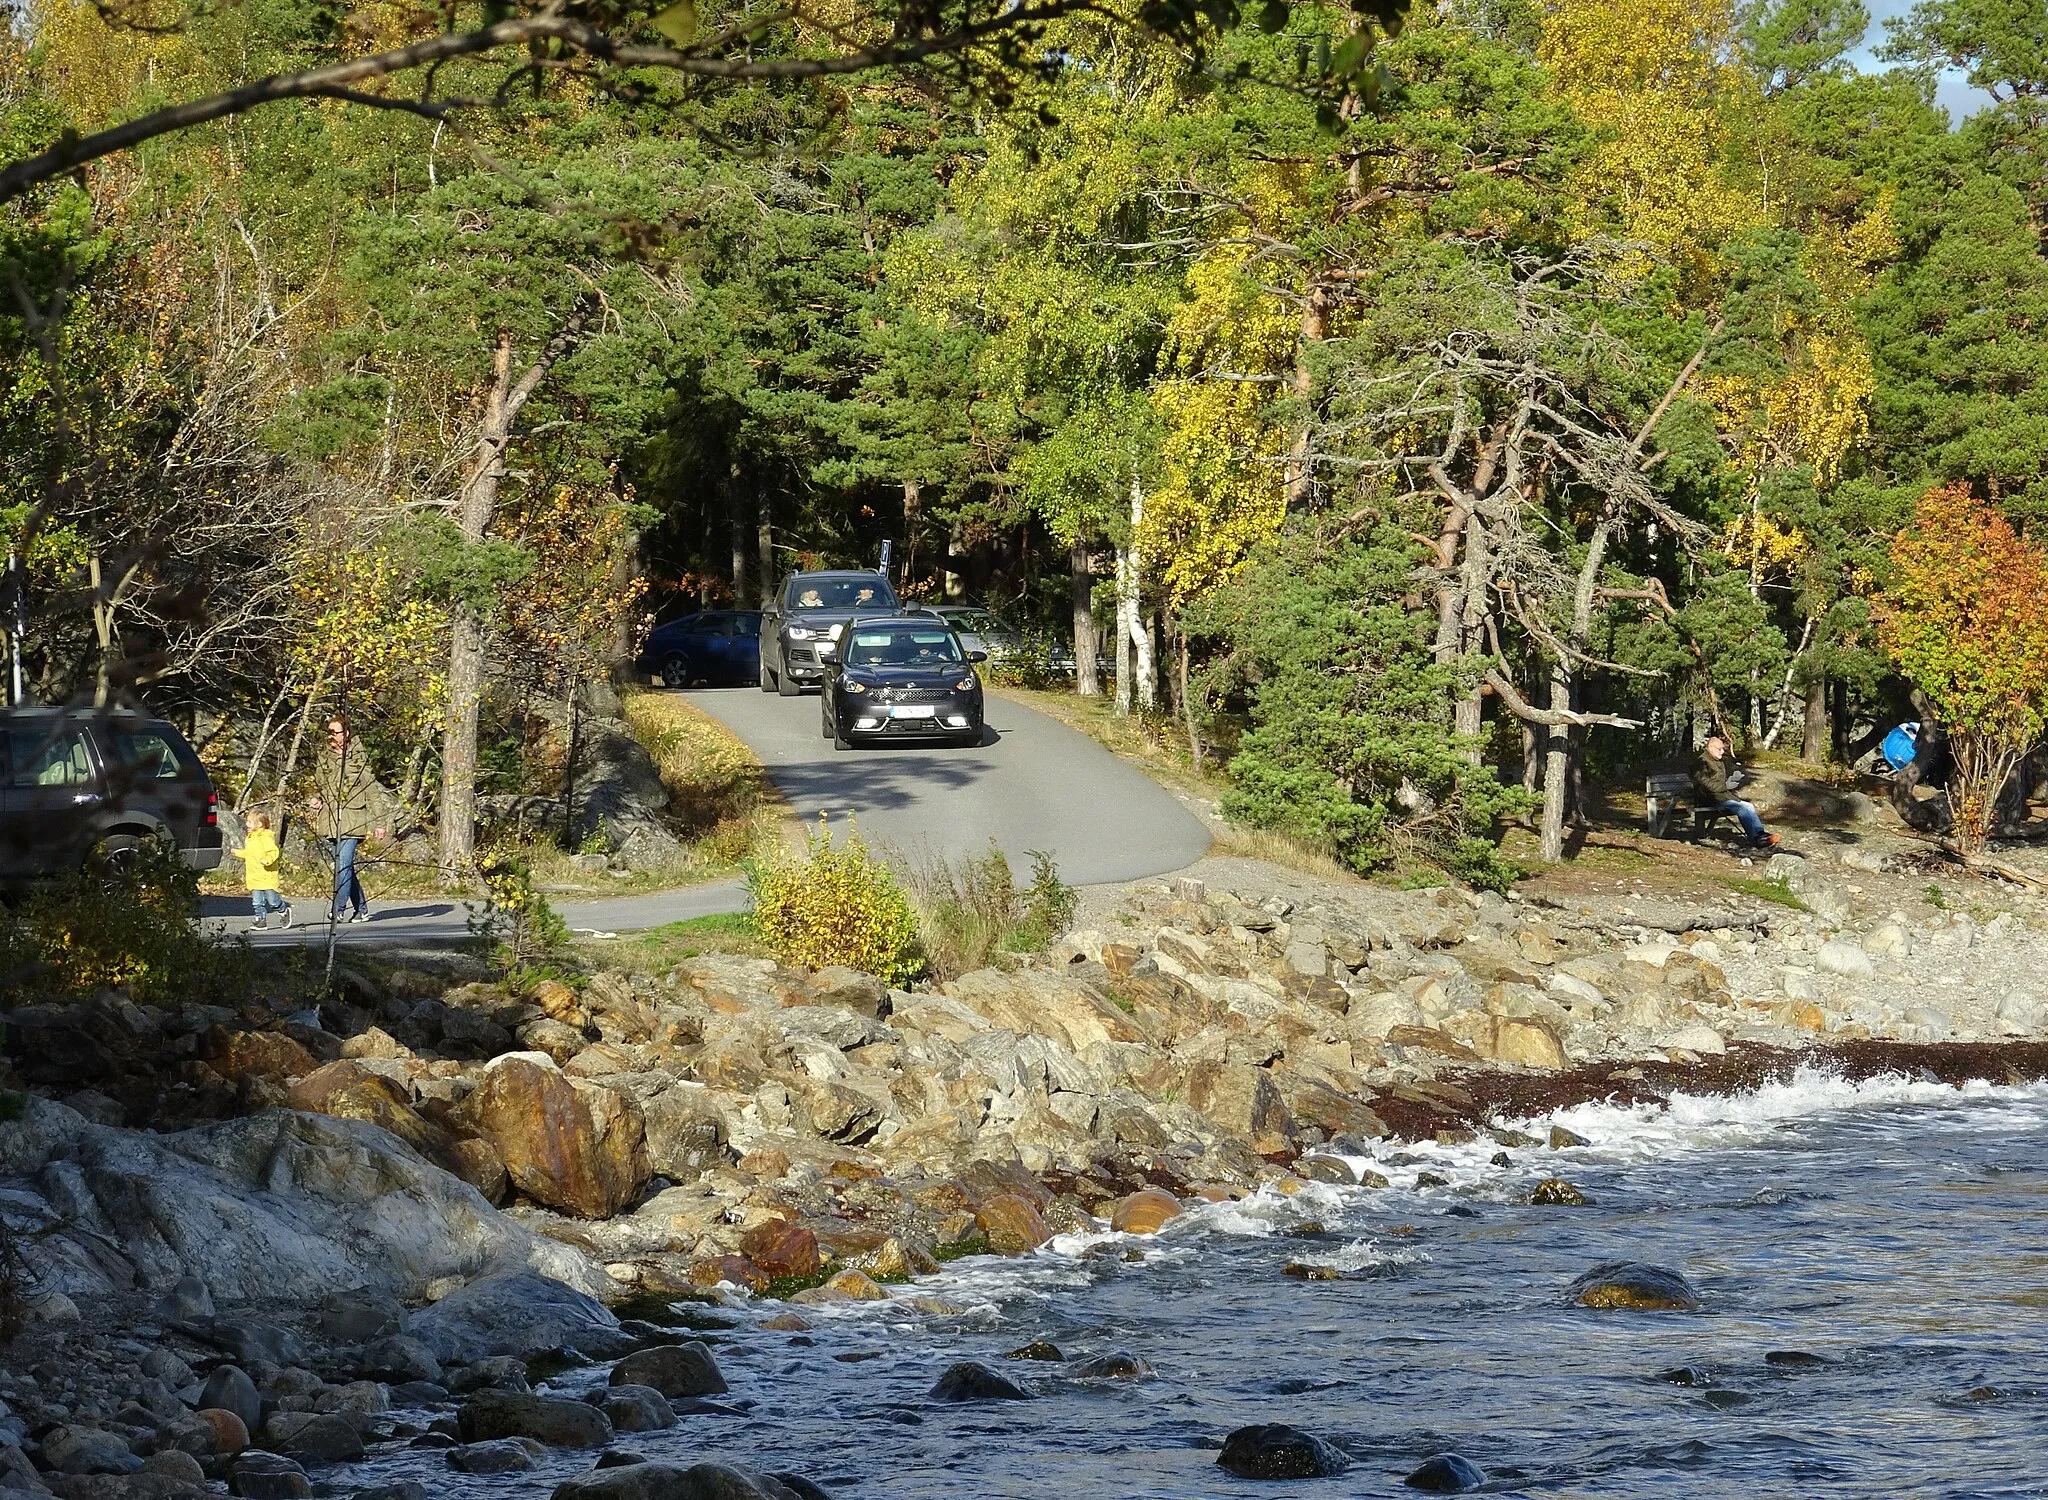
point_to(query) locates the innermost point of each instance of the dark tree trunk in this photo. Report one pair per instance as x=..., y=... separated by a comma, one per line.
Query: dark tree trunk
x=1081, y=584
x=1813, y=739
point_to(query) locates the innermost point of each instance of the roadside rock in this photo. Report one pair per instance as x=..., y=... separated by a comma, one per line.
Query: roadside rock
x=566, y=1143
x=1276, y=1451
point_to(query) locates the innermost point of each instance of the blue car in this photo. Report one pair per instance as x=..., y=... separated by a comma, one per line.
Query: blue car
x=720, y=646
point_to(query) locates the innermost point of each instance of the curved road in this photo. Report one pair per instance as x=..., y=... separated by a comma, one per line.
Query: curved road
x=1032, y=783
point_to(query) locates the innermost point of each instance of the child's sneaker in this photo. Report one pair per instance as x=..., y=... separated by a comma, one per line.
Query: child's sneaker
x=284, y=919
x=262, y=921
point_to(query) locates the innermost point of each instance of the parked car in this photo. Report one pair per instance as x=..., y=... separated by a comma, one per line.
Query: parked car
x=982, y=629
x=814, y=609
x=900, y=678
x=719, y=646
x=76, y=785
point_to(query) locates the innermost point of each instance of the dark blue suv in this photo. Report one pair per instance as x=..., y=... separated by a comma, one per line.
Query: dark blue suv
x=719, y=646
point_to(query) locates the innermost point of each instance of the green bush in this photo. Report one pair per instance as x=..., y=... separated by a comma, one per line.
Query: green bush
x=966, y=913
x=1350, y=747
x=130, y=925
x=515, y=917
x=836, y=905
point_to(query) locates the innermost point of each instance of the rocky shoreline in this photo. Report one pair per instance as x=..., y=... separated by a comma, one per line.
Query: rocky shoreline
x=251, y=1245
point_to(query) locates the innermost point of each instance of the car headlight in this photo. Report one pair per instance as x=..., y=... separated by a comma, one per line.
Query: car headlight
x=851, y=686
x=799, y=633
x=965, y=684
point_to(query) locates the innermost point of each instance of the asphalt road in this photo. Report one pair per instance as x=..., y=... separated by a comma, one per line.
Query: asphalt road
x=429, y=922
x=1032, y=783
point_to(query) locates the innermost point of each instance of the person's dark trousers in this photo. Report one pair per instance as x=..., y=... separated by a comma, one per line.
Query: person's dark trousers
x=1746, y=815
x=348, y=891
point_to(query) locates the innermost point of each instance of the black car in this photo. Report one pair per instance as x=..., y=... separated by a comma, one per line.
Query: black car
x=77, y=785
x=719, y=646
x=814, y=609
x=902, y=678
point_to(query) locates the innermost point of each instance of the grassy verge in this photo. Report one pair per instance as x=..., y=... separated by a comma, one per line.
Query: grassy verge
x=660, y=949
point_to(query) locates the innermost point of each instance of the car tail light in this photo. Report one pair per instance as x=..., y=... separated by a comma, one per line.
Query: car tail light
x=213, y=809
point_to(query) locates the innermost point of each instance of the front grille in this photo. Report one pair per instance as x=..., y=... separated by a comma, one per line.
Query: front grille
x=914, y=695
x=802, y=656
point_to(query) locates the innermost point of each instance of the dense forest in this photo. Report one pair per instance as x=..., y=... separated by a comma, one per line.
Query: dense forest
x=1422, y=426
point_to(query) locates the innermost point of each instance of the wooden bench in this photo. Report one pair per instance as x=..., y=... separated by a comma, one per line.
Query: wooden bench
x=1673, y=792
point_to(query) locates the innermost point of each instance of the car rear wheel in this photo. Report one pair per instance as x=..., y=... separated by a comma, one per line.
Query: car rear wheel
x=676, y=672
x=785, y=685
x=116, y=854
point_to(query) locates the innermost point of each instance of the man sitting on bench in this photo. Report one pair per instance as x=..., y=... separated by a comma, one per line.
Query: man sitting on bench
x=1717, y=776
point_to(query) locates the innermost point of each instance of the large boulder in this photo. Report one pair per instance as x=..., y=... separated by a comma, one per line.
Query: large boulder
x=554, y=1420
x=1242, y=1100
x=566, y=1143
x=517, y=1314
x=675, y=1370
x=280, y=1207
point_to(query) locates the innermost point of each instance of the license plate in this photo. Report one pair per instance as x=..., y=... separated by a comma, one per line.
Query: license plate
x=912, y=711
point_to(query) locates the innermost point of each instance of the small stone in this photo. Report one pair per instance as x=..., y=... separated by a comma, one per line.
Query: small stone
x=1842, y=957
x=787, y=1323
x=1631, y=1284
x=686, y=1369
x=779, y=1248
x=87, y=1450
x=177, y=1467
x=1144, y=1212
x=510, y=1455
x=970, y=1380
x=1793, y=1358
x=1041, y=1350
x=856, y=1285
x=1119, y=1365
x=1446, y=1474
x=268, y=1476
x=398, y=1358
x=1274, y=1450
x=186, y=1300
x=1556, y=1192
x=1689, y=1375
x=1560, y=1138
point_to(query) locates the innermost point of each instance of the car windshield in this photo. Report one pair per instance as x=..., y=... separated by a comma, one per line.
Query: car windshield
x=977, y=620
x=840, y=593
x=902, y=648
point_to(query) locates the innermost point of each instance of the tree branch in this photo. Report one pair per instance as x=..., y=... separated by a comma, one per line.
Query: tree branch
x=1526, y=711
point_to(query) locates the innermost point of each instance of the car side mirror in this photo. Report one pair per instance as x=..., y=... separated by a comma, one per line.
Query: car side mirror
x=977, y=656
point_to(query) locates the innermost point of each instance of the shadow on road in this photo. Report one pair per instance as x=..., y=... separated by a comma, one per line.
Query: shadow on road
x=889, y=779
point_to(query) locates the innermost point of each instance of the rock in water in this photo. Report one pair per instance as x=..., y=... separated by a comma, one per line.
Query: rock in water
x=1040, y=1350
x=1148, y=1209
x=687, y=1369
x=1557, y=1193
x=499, y=1456
x=1631, y=1284
x=1119, y=1365
x=521, y=1314
x=637, y=1408
x=1273, y=1450
x=549, y=1419
x=673, y=1482
x=1447, y=1474
x=971, y=1380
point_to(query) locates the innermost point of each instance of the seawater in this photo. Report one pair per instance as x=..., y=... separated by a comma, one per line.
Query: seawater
x=1895, y=1229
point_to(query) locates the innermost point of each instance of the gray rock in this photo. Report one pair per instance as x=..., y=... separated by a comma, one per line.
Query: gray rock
x=179, y=1468
x=362, y=1397
x=687, y=1369
x=653, y=1481
x=1273, y=1450
x=161, y=1364
x=970, y=1380
x=249, y=1340
x=848, y=988
x=505, y=1372
x=521, y=1313
x=259, y=1475
x=87, y=1450
x=184, y=1302
x=404, y=1489
x=2019, y=1014
x=1118, y=1365
x=549, y=1419
x=637, y=1408
x=320, y=1436
x=1842, y=957
x=397, y=1357
x=509, y=1455
x=358, y=1316
x=16, y=1472
x=1446, y=1474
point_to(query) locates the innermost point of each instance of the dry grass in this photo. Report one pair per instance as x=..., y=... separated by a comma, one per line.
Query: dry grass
x=718, y=792
x=1278, y=849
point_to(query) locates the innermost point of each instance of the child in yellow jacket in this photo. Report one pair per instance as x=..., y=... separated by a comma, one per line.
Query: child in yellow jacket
x=259, y=855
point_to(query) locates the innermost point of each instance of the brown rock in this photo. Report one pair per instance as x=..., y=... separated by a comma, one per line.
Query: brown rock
x=348, y=1090
x=230, y=1435
x=557, y=1039
x=1324, y=1107
x=566, y=1144
x=1121, y=958
x=1013, y=1224
x=1529, y=1040
x=736, y=1269
x=898, y=1259
x=1241, y=1099
x=236, y=1055
x=858, y=1286
x=767, y=1163
x=558, y=1002
x=1429, y=1039
x=477, y=1163
x=375, y=1042
x=1145, y=1211
x=781, y=1248
x=848, y=988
